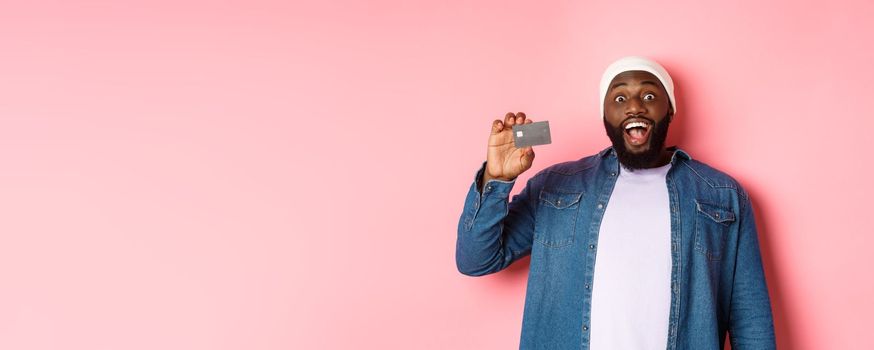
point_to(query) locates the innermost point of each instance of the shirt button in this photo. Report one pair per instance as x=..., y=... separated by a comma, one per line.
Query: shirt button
x=558, y=202
x=585, y=328
x=591, y=246
x=587, y=286
x=488, y=188
x=600, y=205
x=613, y=174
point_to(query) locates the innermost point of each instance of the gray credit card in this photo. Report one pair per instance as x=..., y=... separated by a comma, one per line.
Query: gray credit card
x=536, y=133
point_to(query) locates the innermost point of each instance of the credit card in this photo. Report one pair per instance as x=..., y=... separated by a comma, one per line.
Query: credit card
x=536, y=133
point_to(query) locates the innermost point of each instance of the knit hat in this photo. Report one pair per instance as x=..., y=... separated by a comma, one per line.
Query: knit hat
x=636, y=63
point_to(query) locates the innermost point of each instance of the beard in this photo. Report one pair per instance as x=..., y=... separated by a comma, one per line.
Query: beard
x=644, y=159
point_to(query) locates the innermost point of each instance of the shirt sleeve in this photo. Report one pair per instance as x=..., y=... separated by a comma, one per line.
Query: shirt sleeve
x=493, y=231
x=751, y=325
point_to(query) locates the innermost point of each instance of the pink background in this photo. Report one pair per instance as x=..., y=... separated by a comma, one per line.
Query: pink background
x=274, y=175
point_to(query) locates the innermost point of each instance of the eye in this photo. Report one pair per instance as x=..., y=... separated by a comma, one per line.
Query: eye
x=649, y=97
x=619, y=98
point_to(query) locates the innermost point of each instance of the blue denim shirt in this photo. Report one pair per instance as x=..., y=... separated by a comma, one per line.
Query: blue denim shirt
x=717, y=280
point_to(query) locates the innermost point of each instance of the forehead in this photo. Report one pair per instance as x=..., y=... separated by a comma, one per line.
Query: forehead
x=635, y=77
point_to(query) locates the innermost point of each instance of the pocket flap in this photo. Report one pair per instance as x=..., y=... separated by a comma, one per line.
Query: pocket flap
x=560, y=200
x=715, y=212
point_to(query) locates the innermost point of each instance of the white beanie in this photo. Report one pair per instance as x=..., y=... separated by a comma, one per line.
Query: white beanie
x=636, y=63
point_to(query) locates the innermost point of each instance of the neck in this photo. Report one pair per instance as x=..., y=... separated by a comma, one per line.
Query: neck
x=664, y=158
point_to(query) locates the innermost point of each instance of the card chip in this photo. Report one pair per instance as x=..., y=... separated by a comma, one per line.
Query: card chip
x=531, y=134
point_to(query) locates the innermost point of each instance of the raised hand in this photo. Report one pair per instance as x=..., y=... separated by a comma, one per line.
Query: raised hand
x=504, y=161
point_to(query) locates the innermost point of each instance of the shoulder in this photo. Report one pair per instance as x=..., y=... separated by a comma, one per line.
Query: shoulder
x=711, y=176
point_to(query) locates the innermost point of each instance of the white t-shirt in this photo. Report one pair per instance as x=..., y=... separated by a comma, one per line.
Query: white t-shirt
x=631, y=293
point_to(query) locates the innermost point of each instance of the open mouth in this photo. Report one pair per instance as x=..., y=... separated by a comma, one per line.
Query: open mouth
x=637, y=132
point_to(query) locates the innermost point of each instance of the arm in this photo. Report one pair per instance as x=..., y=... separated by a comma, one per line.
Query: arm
x=492, y=231
x=750, y=321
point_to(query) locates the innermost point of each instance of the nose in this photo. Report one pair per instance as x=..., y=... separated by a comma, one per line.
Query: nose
x=634, y=107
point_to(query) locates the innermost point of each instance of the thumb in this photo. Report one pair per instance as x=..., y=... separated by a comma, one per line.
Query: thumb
x=528, y=154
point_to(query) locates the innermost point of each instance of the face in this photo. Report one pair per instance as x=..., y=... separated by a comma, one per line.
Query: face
x=637, y=112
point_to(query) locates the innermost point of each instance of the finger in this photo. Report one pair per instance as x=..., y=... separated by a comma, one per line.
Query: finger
x=510, y=119
x=528, y=121
x=520, y=118
x=497, y=126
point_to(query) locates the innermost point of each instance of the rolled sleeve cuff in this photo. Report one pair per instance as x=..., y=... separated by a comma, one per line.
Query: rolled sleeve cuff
x=494, y=192
x=493, y=186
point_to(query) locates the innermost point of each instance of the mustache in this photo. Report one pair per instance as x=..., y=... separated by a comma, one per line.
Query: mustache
x=650, y=121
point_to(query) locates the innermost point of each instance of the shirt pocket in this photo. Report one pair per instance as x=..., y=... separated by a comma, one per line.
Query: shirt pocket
x=556, y=218
x=712, y=225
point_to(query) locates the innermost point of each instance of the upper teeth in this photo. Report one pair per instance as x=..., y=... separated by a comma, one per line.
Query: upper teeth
x=635, y=125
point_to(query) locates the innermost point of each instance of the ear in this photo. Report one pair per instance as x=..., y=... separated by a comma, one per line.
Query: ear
x=670, y=113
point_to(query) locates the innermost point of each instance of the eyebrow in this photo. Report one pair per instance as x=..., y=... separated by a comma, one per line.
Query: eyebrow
x=645, y=82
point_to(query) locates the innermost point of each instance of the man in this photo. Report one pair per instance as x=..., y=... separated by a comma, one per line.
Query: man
x=636, y=247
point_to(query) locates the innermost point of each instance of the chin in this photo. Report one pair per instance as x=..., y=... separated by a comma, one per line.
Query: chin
x=637, y=150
